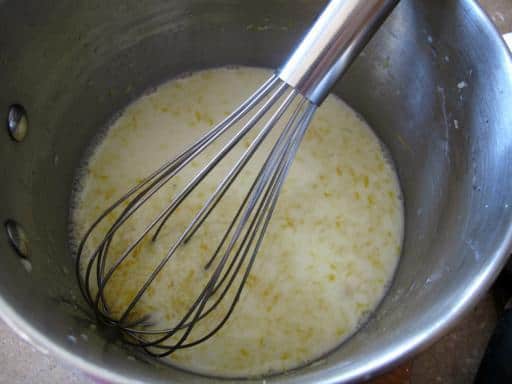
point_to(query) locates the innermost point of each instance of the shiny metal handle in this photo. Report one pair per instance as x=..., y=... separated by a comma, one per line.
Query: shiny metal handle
x=333, y=42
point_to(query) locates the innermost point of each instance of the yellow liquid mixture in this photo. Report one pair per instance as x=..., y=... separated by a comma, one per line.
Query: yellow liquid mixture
x=329, y=253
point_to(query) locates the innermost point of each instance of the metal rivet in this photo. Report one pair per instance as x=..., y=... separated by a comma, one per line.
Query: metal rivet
x=17, y=122
x=17, y=238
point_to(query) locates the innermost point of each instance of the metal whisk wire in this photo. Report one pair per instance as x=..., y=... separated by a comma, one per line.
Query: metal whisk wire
x=303, y=82
x=154, y=181
x=258, y=204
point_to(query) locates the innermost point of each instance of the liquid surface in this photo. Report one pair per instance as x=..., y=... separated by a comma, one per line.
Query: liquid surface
x=329, y=253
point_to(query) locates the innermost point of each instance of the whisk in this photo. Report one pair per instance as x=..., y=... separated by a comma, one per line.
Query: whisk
x=292, y=93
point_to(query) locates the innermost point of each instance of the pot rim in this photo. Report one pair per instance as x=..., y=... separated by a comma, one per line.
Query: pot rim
x=426, y=337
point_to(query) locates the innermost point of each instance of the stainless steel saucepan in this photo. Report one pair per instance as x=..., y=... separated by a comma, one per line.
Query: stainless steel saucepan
x=435, y=83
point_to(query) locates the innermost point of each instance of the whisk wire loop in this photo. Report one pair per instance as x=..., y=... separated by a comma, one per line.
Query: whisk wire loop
x=242, y=237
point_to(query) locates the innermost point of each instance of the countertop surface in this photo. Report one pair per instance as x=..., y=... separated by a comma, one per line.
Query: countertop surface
x=454, y=359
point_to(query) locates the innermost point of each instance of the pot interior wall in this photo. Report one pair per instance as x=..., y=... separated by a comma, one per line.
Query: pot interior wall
x=423, y=84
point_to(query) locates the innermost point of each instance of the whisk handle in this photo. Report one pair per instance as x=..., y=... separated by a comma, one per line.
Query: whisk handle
x=332, y=43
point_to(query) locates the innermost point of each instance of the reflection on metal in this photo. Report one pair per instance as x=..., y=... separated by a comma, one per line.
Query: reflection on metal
x=17, y=238
x=17, y=122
